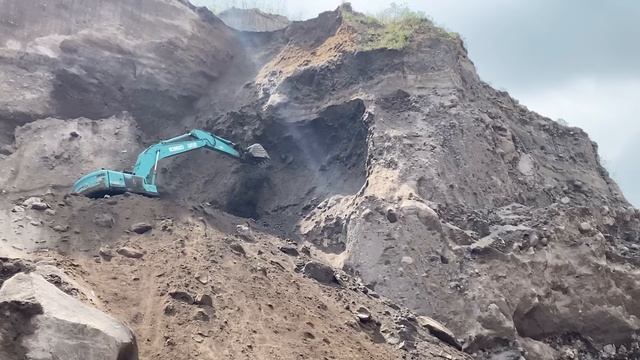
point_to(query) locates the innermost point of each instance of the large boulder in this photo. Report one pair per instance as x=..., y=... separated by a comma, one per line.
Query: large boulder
x=40, y=322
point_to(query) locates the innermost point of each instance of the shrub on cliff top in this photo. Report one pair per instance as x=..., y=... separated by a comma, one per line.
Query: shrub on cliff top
x=391, y=28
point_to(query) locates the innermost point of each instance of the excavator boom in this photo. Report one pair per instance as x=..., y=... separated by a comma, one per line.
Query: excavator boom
x=142, y=179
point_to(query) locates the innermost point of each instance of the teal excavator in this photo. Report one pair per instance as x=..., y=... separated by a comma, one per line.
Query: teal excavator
x=142, y=180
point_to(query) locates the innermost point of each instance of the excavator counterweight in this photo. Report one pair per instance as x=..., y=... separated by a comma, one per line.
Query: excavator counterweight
x=142, y=180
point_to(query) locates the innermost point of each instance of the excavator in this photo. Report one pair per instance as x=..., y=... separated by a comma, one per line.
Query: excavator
x=142, y=180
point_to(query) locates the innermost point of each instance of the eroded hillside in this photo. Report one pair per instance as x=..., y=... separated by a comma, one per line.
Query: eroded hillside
x=402, y=189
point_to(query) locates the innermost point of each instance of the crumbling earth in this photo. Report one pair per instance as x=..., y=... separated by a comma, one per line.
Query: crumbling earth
x=199, y=283
x=410, y=209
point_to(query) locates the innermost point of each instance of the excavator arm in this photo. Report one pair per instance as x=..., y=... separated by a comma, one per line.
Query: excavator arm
x=142, y=179
x=147, y=164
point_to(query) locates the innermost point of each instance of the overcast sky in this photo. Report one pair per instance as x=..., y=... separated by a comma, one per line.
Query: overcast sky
x=578, y=60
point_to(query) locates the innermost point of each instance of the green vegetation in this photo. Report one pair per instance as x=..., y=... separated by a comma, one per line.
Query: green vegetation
x=392, y=28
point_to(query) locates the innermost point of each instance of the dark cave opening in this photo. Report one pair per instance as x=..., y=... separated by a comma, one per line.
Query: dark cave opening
x=311, y=161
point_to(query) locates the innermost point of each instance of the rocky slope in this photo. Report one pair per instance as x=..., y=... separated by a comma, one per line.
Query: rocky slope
x=429, y=192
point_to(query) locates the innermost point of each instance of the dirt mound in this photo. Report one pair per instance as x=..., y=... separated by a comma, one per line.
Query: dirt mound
x=399, y=167
x=198, y=282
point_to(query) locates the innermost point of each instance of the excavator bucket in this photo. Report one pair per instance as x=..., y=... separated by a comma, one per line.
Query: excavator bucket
x=257, y=154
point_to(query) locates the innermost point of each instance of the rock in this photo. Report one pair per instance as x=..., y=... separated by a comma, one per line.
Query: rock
x=201, y=315
x=104, y=220
x=538, y=350
x=106, y=253
x=17, y=209
x=390, y=335
x=585, y=227
x=244, y=232
x=622, y=350
x=342, y=278
x=141, y=228
x=238, y=249
x=203, y=278
x=568, y=353
x=534, y=240
x=392, y=216
x=439, y=331
x=74, y=134
x=169, y=310
x=526, y=165
x=289, y=250
x=130, y=252
x=62, y=281
x=27, y=203
x=497, y=322
x=277, y=265
x=40, y=206
x=565, y=200
x=367, y=214
x=204, y=300
x=50, y=212
x=425, y=214
x=363, y=314
x=319, y=272
x=35, y=222
x=609, y=351
x=166, y=225
x=61, y=228
x=373, y=294
x=407, y=260
x=6, y=150
x=182, y=296
x=54, y=325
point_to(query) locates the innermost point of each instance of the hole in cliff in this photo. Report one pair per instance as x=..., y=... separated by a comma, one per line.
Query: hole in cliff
x=311, y=160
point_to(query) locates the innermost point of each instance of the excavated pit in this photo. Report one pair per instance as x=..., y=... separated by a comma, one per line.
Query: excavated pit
x=311, y=161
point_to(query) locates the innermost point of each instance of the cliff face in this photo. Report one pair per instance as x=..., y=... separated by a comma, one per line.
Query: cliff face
x=396, y=164
x=95, y=59
x=463, y=205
